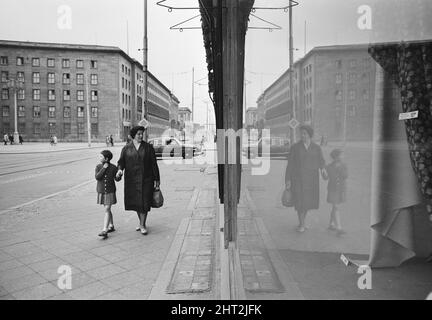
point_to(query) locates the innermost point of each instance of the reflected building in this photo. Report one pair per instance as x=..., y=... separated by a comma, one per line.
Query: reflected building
x=333, y=90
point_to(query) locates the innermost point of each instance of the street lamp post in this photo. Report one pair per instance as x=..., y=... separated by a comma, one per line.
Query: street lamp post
x=15, y=85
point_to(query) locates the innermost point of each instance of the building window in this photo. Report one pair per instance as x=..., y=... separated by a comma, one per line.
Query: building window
x=36, y=112
x=5, y=112
x=123, y=83
x=352, y=111
x=80, y=78
x=94, y=79
x=51, y=112
x=365, y=94
x=67, y=128
x=36, y=128
x=80, y=111
x=338, y=78
x=338, y=95
x=129, y=102
x=50, y=63
x=36, y=94
x=51, y=78
x=129, y=72
x=4, y=76
x=352, y=77
x=123, y=113
x=80, y=95
x=35, y=62
x=93, y=64
x=66, y=112
x=80, y=64
x=66, y=95
x=94, y=129
x=352, y=94
x=66, y=63
x=20, y=76
x=36, y=77
x=5, y=94
x=51, y=128
x=66, y=78
x=51, y=95
x=21, y=111
x=123, y=98
x=81, y=129
x=94, y=95
x=123, y=68
x=20, y=61
x=94, y=112
x=21, y=94
x=22, y=127
x=4, y=61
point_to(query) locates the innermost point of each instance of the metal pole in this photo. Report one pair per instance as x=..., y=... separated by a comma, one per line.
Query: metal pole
x=291, y=65
x=345, y=97
x=16, y=135
x=193, y=92
x=145, y=68
x=88, y=112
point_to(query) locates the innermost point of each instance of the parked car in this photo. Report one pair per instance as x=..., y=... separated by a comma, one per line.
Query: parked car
x=267, y=147
x=173, y=147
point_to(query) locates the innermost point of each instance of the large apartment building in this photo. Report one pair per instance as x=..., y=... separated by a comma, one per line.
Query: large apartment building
x=62, y=83
x=333, y=90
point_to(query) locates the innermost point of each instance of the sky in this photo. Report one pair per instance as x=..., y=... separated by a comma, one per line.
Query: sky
x=173, y=54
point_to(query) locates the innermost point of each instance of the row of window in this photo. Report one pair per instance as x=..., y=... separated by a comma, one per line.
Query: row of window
x=36, y=62
x=51, y=77
x=352, y=77
x=126, y=84
x=52, y=128
x=51, y=112
x=126, y=114
x=36, y=94
x=352, y=95
x=126, y=70
x=353, y=63
x=126, y=100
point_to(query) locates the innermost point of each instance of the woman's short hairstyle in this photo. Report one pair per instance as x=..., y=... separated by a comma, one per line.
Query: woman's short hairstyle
x=135, y=130
x=107, y=154
x=335, y=154
x=308, y=129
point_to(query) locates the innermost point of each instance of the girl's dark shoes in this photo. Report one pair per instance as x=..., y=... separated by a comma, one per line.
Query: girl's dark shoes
x=103, y=234
x=111, y=229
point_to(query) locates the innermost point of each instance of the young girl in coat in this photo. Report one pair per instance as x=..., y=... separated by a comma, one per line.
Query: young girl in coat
x=336, y=174
x=105, y=174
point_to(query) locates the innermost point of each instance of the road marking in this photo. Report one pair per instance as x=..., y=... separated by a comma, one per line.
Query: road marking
x=46, y=197
x=30, y=176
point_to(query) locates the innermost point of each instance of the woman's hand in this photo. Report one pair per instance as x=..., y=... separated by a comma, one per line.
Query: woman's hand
x=119, y=174
x=156, y=184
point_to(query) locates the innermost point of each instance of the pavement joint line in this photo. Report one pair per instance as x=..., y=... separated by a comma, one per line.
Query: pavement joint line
x=46, y=197
x=55, y=164
x=193, y=200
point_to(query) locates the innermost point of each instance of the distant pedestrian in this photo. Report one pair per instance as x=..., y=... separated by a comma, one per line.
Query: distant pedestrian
x=11, y=138
x=336, y=174
x=21, y=140
x=55, y=140
x=51, y=140
x=5, y=139
x=111, y=140
x=305, y=161
x=138, y=160
x=105, y=174
x=107, y=141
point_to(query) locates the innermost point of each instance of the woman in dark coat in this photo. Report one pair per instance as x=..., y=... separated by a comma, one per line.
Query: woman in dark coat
x=305, y=160
x=141, y=173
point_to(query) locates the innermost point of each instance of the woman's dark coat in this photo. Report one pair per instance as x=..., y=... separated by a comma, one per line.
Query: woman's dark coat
x=303, y=172
x=140, y=172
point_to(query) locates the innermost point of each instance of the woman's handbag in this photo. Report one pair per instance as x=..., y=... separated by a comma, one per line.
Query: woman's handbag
x=287, y=199
x=158, y=198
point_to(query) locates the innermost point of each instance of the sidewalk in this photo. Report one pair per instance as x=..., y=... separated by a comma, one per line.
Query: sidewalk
x=36, y=240
x=43, y=147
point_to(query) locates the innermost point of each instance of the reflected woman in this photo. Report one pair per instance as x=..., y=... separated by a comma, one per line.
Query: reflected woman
x=305, y=161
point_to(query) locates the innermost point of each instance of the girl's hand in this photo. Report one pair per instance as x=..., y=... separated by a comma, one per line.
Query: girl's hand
x=119, y=174
x=106, y=165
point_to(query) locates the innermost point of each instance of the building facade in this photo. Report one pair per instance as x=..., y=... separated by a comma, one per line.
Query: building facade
x=333, y=90
x=65, y=84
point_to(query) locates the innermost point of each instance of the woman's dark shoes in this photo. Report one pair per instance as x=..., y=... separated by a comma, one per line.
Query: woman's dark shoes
x=111, y=229
x=103, y=234
x=144, y=231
